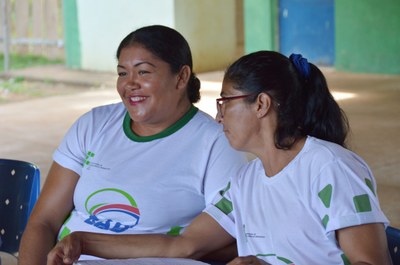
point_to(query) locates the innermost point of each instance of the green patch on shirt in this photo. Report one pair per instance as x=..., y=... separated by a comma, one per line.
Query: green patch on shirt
x=225, y=206
x=370, y=186
x=65, y=232
x=362, y=203
x=346, y=261
x=325, y=220
x=285, y=260
x=326, y=195
x=175, y=231
x=222, y=192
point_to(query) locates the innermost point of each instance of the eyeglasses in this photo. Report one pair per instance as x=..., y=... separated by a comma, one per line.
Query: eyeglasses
x=221, y=101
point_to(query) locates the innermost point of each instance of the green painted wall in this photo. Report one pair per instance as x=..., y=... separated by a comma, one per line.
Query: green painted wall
x=368, y=36
x=260, y=23
x=71, y=34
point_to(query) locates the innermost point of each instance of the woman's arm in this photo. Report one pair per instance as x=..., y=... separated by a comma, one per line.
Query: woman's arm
x=202, y=236
x=52, y=208
x=222, y=255
x=365, y=244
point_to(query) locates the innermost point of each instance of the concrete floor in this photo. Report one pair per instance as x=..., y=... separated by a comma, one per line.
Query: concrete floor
x=31, y=130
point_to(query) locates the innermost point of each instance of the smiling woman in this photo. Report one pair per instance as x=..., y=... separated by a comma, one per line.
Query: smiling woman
x=153, y=76
x=148, y=164
x=149, y=89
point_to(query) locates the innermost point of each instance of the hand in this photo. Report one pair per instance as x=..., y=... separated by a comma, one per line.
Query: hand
x=66, y=251
x=248, y=260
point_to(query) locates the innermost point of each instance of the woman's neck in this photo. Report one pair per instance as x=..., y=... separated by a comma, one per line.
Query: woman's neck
x=274, y=160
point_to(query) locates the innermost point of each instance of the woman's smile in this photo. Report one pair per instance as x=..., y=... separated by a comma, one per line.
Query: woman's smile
x=137, y=99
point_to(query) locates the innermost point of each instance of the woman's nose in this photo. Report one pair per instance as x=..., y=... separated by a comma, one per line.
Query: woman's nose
x=132, y=83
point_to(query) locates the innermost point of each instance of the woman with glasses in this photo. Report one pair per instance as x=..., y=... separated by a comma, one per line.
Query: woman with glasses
x=148, y=164
x=305, y=200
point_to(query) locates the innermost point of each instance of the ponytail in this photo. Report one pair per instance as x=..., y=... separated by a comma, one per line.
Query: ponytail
x=323, y=118
x=194, y=88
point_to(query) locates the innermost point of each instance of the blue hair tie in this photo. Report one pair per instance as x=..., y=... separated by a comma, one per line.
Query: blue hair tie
x=301, y=64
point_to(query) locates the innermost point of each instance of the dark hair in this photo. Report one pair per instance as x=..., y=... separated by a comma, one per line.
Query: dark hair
x=304, y=104
x=168, y=45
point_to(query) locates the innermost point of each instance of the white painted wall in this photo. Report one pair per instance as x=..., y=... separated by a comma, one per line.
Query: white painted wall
x=104, y=23
x=208, y=25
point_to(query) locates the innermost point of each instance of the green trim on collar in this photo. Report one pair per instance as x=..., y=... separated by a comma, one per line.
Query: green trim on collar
x=168, y=131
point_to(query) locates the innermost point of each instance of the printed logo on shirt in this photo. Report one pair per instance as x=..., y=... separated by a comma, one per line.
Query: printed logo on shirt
x=254, y=235
x=89, y=155
x=88, y=163
x=104, y=211
x=282, y=259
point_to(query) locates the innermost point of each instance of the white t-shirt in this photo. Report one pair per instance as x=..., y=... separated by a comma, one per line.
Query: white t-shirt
x=156, y=184
x=291, y=217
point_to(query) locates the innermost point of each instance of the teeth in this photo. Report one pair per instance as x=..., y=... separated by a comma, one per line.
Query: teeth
x=136, y=99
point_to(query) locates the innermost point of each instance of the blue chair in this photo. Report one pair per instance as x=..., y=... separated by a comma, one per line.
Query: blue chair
x=19, y=190
x=393, y=237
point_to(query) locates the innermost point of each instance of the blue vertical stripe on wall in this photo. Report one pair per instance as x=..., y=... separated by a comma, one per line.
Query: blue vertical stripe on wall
x=307, y=27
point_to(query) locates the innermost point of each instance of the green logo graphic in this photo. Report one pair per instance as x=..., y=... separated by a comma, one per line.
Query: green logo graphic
x=89, y=155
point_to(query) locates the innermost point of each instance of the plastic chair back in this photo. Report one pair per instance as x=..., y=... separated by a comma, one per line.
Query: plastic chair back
x=19, y=190
x=393, y=237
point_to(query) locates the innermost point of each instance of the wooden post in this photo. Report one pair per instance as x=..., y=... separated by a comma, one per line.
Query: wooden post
x=52, y=23
x=21, y=25
x=38, y=24
x=6, y=34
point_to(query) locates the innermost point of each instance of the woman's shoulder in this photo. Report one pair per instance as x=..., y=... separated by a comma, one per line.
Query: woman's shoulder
x=109, y=109
x=105, y=114
x=324, y=149
x=206, y=118
x=204, y=122
x=105, y=111
x=324, y=152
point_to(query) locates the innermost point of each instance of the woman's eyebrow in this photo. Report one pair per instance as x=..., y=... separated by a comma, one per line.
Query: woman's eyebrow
x=138, y=64
x=145, y=62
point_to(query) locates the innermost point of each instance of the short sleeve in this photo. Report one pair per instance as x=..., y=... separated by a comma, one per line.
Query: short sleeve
x=221, y=209
x=344, y=194
x=71, y=153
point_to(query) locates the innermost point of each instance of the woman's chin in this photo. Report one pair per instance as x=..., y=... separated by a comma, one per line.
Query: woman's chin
x=234, y=144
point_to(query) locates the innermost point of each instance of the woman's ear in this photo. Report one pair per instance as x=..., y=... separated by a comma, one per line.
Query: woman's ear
x=264, y=102
x=183, y=77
